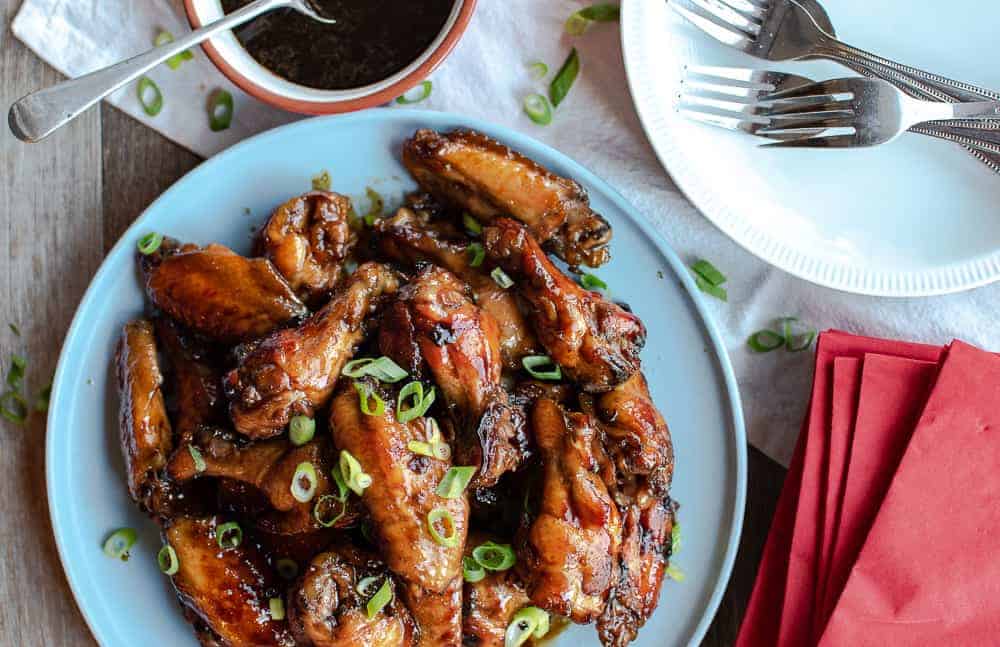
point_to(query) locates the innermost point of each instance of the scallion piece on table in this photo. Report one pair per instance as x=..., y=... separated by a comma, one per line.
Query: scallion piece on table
x=538, y=70
x=276, y=606
x=149, y=243
x=765, y=341
x=220, y=110
x=472, y=225
x=578, y=23
x=304, y=482
x=14, y=329
x=176, y=60
x=13, y=407
x=709, y=272
x=564, y=78
x=150, y=96
x=379, y=601
x=15, y=376
x=119, y=543
x=329, y=510
x=301, y=430
x=229, y=535
x=448, y=538
x=796, y=342
x=42, y=399
x=416, y=94
x=287, y=568
x=716, y=291
x=537, y=107
x=592, y=282
x=541, y=367
x=472, y=571
x=455, y=480
x=529, y=622
x=354, y=475
x=494, y=557
x=367, y=394
x=418, y=403
x=500, y=278
x=477, y=254
x=167, y=560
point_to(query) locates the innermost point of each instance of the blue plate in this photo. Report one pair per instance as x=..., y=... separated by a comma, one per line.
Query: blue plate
x=131, y=603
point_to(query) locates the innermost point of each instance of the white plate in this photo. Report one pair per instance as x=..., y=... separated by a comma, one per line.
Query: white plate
x=912, y=218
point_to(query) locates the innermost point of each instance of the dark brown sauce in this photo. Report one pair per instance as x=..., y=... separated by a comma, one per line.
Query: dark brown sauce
x=372, y=40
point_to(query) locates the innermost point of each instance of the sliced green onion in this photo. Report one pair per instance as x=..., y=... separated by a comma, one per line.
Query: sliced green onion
x=338, y=478
x=675, y=539
x=537, y=107
x=541, y=367
x=382, y=369
x=796, y=343
x=477, y=254
x=472, y=571
x=578, y=23
x=592, y=282
x=501, y=278
x=709, y=272
x=220, y=111
x=379, y=601
x=354, y=475
x=366, y=586
x=14, y=329
x=174, y=61
x=42, y=399
x=376, y=205
x=538, y=70
x=287, y=568
x=764, y=341
x=150, y=96
x=322, y=182
x=229, y=535
x=167, y=559
x=442, y=450
x=419, y=403
x=13, y=407
x=420, y=448
x=443, y=516
x=119, y=543
x=16, y=373
x=675, y=573
x=472, y=225
x=366, y=393
x=301, y=430
x=277, y=608
x=711, y=290
x=564, y=79
x=199, y=460
x=150, y=243
x=494, y=557
x=527, y=623
x=327, y=518
x=455, y=480
x=304, y=482
x=417, y=94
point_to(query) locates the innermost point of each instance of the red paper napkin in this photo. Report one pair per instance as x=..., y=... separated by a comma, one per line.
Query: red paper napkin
x=893, y=393
x=929, y=572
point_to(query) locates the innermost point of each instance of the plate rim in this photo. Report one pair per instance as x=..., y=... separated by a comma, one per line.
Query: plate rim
x=952, y=278
x=62, y=393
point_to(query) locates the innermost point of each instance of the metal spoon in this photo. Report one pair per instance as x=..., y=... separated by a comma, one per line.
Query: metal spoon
x=35, y=116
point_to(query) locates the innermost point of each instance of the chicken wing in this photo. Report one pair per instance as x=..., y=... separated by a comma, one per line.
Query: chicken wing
x=595, y=341
x=489, y=605
x=411, y=238
x=460, y=344
x=293, y=371
x=144, y=428
x=403, y=491
x=308, y=238
x=218, y=293
x=228, y=590
x=438, y=615
x=326, y=609
x=568, y=553
x=195, y=381
x=486, y=178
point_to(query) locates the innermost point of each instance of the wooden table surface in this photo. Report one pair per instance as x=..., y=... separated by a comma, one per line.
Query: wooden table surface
x=64, y=203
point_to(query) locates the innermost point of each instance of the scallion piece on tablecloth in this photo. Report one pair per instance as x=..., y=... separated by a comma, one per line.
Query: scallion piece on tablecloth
x=538, y=109
x=416, y=94
x=578, y=23
x=150, y=96
x=564, y=79
x=538, y=70
x=176, y=60
x=220, y=111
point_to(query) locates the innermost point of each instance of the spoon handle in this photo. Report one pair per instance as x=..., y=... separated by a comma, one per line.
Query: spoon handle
x=35, y=116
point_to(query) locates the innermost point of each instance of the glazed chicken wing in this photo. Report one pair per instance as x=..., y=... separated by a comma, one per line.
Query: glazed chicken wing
x=411, y=238
x=489, y=180
x=489, y=605
x=145, y=431
x=293, y=371
x=308, y=238
x=438, y=615
x=568, y=553
x=195, y=378
x=218, y=293
x=227, y=590
x=460, y=344
x=595, y=341
x=325, y=608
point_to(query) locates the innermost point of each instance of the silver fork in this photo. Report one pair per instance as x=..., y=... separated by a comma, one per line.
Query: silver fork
x=874, y=110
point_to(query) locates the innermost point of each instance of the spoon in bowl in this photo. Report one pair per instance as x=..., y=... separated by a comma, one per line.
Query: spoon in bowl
x=35, y=116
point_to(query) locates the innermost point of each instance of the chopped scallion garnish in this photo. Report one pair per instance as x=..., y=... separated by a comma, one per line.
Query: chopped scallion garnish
x=592, y=282
x=42, y=399
x=329, y=510
x=287, y=568
x=14, y=329
x=501, y=278
x=477, y=254
x=322, y=182
x=538, y=70
x=712, y=290
x=149, y=243
x=277, y=608
x=764, y=341
x=709, y=272
x=564, y=79
x=13, y=407
x=420, y=448
x=382, y=369
x=304, y=482
x=15, y=376
x=527, y=623
x=167, y=559
x=472, y=571
x=119, y=543
x=455, y=480
x=675, y=539
x=338, y=478
x=174, y=61
x=199, y=460
x=301, y=430
x=418, y=403
x=542, y=367
x=796, y=342
x=448, y=538
x=229, y=535
x=354, y=474
x=494, y=557
x=578, y=23
x=417, y=94
x=472, y=225
x=150, y=96
x=379, y=601
x=537, y=107
x=376, y=205
x=366, y=586
x=220, y=110
x=675, y=573
x=367, y=394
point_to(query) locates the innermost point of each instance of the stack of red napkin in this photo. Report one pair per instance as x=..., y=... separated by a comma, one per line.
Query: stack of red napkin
x=887, y=531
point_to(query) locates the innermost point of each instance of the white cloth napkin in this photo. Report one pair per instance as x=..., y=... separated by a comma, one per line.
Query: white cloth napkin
x=597, y=126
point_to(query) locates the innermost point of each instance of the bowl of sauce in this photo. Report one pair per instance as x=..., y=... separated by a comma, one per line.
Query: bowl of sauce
x=377, y=50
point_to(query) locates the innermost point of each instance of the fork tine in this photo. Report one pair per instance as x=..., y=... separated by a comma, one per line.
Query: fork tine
x=809, y=124
x=748, y=8
x=722, y=102
x=725, y=34
x=808, y=106
x=733, y=120
x=834, y=86
x=820, y=141
x=729, y=15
